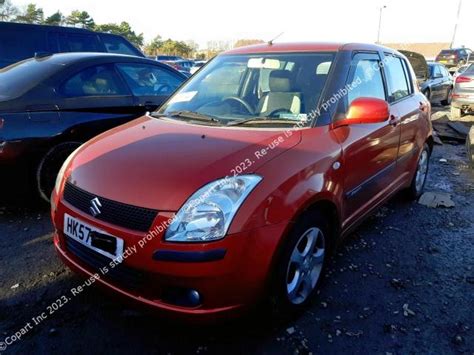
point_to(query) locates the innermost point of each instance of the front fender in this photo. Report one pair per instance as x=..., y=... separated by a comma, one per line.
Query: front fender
x=294, y=181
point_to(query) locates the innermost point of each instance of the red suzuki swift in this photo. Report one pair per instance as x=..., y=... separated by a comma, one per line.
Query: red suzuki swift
x=237, y=189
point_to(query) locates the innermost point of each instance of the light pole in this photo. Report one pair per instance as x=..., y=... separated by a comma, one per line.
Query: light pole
x=380, y=22
x=456, y=25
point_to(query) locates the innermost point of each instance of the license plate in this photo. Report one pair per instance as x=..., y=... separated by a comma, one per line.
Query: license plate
x=443, y=61
x=93, y=238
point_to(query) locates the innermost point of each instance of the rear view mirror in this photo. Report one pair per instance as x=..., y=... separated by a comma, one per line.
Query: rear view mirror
x=263, y=63
x=365, y=110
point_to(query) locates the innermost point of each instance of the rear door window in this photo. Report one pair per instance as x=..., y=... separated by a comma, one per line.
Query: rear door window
x=149, y=80
x=78, y=42
x=116, y=44
x=445, y=72
x=398, y=84
x=99, y=80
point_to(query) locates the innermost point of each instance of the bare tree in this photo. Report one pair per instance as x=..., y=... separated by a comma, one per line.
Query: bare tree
x=8, y=11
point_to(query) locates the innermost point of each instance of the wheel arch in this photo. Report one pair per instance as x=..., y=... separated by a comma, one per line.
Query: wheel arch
x=430, y=142
x=321, y=203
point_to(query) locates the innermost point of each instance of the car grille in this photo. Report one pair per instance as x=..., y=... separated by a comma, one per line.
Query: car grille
x=120, y=275
x=117, y=213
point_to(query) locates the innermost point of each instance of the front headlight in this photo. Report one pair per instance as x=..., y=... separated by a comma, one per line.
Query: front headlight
x=207, y=214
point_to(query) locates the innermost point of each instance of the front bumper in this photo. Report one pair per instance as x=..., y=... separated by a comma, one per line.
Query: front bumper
x=226, y=283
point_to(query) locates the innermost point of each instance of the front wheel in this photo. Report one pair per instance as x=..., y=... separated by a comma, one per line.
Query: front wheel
x=419, y=179
x=49, y=167
x=301, y=264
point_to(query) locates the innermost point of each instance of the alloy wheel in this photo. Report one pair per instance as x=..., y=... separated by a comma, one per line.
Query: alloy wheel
x=305, y=265
x=421, y=171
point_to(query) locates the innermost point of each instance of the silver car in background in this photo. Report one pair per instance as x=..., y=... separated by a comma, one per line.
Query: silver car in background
x=463, y=94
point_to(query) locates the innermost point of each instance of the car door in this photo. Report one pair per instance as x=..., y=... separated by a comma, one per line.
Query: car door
x=96, y=95
x=410, y=106
x=150, y=84
x=447, y=83
x=369, y=150
x=437, y=86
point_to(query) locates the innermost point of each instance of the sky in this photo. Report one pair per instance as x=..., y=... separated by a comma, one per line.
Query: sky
x=299, y=20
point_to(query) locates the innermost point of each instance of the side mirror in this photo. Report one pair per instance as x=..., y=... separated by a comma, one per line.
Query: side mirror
x=365, y=110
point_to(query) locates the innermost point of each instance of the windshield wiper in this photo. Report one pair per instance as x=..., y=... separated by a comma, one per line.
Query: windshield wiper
x=260, y=120
x=192, y=115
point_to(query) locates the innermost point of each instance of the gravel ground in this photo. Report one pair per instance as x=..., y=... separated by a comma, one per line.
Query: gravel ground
x=402, y=283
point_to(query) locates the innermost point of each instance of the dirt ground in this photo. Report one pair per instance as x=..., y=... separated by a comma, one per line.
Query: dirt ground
x=402, y=283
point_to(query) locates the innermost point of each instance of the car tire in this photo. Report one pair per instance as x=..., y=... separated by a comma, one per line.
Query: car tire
x=427, y=93
x=470, y=147
x=456, y=113
x=49, y=167
x=301, y=265
x=419, y=178
x=447, y=101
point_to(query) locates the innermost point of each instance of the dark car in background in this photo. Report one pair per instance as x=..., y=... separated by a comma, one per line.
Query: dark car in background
x=49, y=105
x=182, y=65
x=455, y=57
x=463, y=94
x=434, y=80
x=20, y=41
x=164, y=58
x=439, y=85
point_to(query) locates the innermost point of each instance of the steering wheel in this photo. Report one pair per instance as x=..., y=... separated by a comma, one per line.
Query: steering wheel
x=279, y=110
x=164, y=89
x=241, y=102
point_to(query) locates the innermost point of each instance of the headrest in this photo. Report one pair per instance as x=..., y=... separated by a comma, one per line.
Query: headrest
x=280, y=81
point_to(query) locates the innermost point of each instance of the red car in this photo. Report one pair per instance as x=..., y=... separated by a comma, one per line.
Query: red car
x=239, y=187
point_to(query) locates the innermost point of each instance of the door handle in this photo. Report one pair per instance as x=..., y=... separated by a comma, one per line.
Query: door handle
x=394, y=120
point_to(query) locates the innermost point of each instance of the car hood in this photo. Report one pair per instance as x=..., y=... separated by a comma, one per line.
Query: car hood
x=158, y=164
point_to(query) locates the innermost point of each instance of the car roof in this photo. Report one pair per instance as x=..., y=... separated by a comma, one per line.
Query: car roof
x=36, y=27
x=305, y=47
x=74, y=57
x=66, y=60
x=32, y=26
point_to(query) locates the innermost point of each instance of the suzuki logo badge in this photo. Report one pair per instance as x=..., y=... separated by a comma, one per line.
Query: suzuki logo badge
x=95, y=207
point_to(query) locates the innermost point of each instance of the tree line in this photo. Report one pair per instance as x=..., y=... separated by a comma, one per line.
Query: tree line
x=77, y=18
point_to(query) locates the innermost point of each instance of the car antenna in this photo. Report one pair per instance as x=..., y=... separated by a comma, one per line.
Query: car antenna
x=270, y=42
x=39, y=55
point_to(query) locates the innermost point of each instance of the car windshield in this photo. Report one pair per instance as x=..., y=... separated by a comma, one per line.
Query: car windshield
x=469, y=70
x=262, y=89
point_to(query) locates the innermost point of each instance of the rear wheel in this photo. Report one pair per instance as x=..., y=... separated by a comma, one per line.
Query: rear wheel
x=470, y=147
x=456, y=113
x=301, y=264
x=419, y=179
x=427, y=93
x=49, y=166
x=447, y=101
